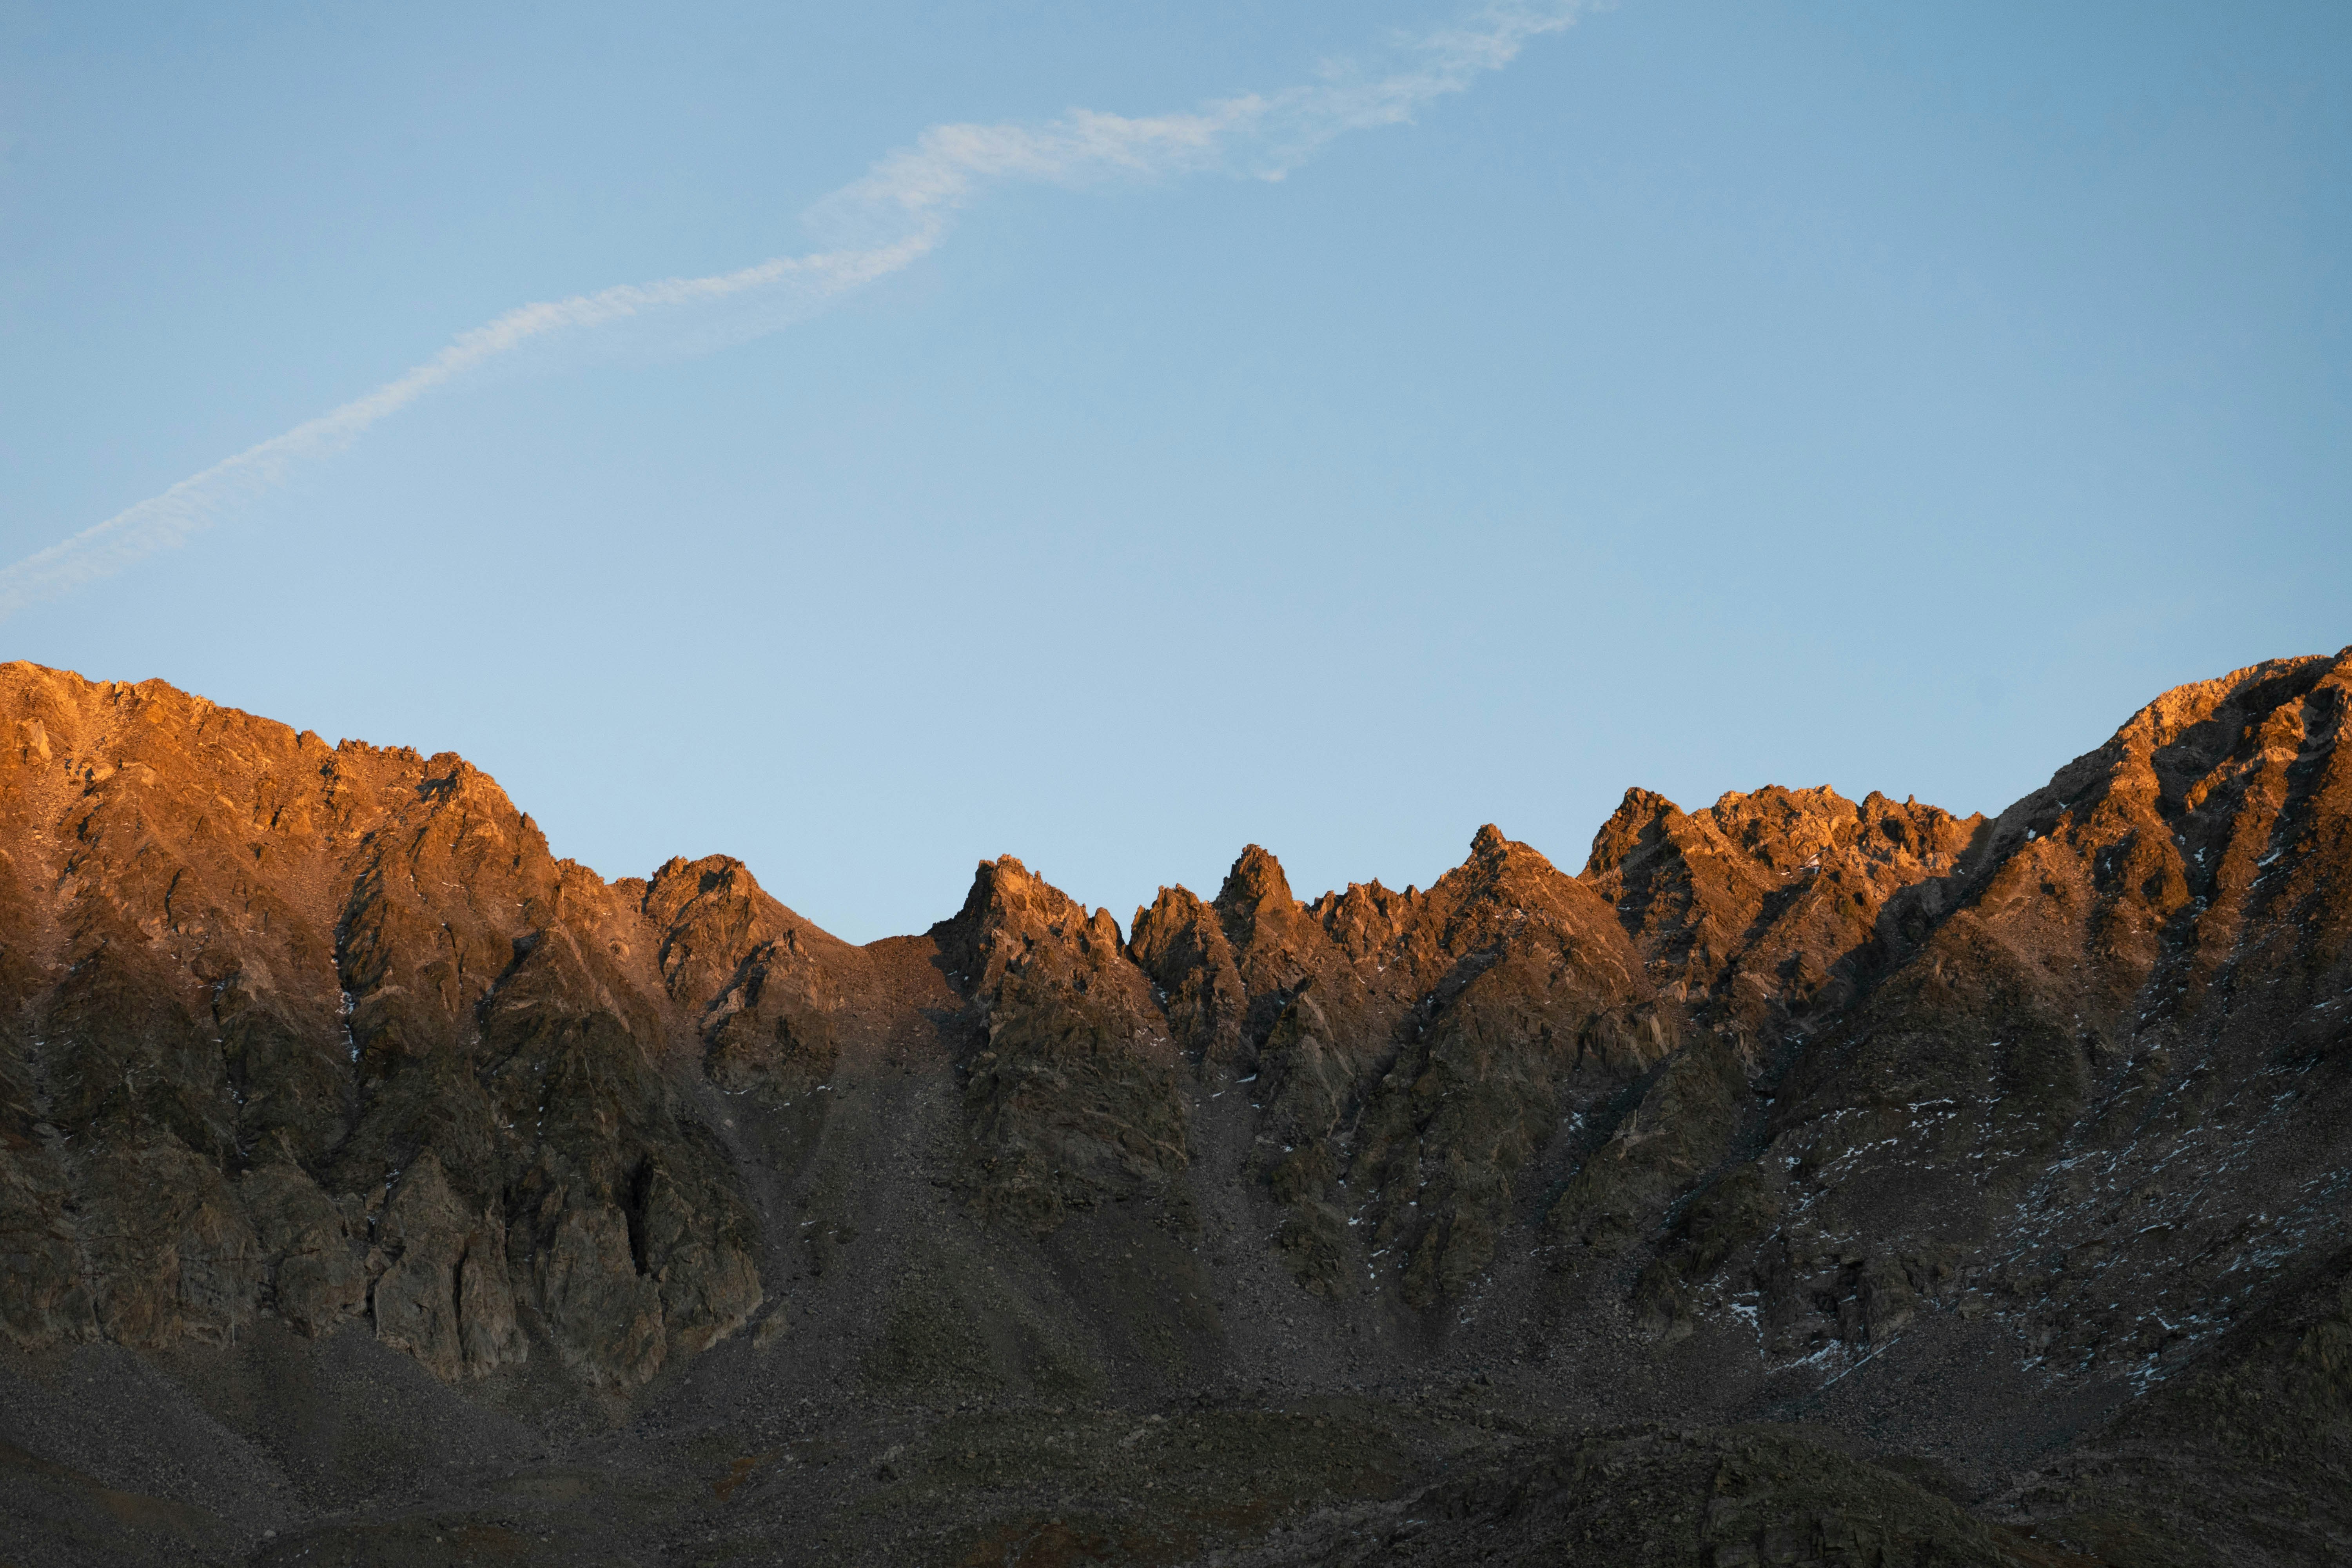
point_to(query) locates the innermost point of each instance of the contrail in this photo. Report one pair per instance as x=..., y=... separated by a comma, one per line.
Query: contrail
x=897, y=213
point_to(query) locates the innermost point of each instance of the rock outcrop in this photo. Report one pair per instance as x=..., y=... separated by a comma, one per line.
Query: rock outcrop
x=1766, y=909
x=1416, y=1054
x=1070, y=1078
x=2110, y=1072
x=328, y=1033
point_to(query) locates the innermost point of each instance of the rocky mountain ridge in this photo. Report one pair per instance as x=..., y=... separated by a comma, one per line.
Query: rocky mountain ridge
x=1968, y=1141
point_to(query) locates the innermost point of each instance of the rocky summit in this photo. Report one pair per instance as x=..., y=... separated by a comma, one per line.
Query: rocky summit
x=1803, y=1180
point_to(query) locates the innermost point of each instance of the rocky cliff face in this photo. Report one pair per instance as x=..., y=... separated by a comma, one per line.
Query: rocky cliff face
x=1969, y=1142
x=329, y=1034
x=1415, y=1055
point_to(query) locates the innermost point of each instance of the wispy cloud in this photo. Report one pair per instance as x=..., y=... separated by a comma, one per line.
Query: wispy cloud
x=880, y=224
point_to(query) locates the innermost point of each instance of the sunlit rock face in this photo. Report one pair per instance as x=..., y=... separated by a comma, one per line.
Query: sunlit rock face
x=329, y=1034
x=1979, y=1140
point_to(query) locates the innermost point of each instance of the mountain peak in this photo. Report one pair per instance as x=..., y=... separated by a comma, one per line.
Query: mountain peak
x=1256, y=878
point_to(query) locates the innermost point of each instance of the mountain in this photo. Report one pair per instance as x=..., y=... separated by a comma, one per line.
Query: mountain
x=1803, y=1180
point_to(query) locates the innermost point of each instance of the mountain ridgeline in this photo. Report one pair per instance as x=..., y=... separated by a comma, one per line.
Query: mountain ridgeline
x=1803, y=1180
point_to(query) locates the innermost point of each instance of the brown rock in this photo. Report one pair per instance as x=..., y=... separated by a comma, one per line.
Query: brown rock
x=1071, y=1082
x=444, y=1296
x=316, y=1271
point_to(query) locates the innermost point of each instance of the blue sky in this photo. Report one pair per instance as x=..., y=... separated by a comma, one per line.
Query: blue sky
x=1713, y=396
